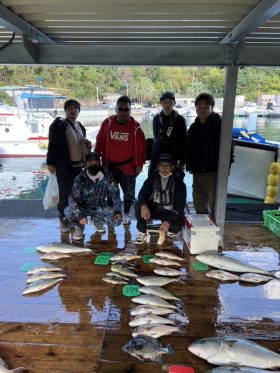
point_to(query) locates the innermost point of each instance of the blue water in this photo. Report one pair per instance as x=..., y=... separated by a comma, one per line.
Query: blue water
x=26, y=178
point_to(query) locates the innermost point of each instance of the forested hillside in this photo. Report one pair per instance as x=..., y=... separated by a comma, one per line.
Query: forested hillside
x=143, y=84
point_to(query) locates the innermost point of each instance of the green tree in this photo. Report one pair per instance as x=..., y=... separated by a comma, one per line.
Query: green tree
x=142, y=89
x=196, y=88
x=5, y=97
x=214, y=81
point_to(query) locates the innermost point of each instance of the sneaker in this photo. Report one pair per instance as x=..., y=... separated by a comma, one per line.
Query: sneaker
x=64, y=226
x=78, y=234
x=98, y=224
x=170, y=234
x=126, y=219
x=141, y=238
x=100, y=228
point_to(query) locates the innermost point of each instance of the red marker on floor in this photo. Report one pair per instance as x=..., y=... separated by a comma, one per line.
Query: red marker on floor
x=180, y=369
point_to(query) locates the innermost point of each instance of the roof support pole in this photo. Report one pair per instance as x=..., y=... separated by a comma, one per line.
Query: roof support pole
x=225, y=145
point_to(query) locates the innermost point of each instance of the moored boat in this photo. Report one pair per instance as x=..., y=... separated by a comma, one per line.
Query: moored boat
x=23, y=134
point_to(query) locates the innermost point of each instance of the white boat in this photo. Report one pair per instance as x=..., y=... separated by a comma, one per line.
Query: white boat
x=23, y=134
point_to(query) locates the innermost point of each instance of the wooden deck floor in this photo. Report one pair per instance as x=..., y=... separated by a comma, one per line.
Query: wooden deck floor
x=81, y=325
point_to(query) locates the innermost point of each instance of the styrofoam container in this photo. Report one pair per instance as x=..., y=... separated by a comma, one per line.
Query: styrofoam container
x=200, y=234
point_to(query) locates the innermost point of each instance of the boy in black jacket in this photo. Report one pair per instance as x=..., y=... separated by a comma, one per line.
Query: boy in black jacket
x=162, y=196
x=170, y=133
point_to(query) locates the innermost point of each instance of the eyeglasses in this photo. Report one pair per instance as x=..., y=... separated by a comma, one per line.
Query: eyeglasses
x=123, y=109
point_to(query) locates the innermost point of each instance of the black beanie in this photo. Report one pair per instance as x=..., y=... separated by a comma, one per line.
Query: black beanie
x=72, y=102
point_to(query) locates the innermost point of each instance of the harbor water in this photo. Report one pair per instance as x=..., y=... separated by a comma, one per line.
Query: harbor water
x=26, y=178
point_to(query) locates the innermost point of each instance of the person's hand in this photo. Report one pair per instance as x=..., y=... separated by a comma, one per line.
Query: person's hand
x=83, y=221
x=145, y=212
x=138, y=170
x=164, y=226
x=51, y=169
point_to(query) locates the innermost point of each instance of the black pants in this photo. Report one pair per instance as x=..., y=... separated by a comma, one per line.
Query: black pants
x=127, y=183
x=175, y=220
x=65, y=184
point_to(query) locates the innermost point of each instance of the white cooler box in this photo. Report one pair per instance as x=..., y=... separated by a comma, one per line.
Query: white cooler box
x=200, y=234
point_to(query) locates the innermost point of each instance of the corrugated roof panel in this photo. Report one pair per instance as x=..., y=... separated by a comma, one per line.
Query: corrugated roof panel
x=150, y=22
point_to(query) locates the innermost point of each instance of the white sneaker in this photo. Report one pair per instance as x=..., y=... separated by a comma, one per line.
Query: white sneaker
x=78, y=234
x=141, y=238
x=170, y=234
x=126, y=219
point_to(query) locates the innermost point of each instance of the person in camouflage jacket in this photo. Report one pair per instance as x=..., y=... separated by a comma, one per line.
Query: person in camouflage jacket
x=89, y=198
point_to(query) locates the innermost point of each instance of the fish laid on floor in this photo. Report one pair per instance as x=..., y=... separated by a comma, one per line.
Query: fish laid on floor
x=45, y=276
x=178, y=318
x=121, y=269
x=63, y=248
x=54, y=256
x=114, y=280
x=228, y=263
x=157, y=280
x=144, y=309
x=165, y=262
x=235, y=351
x=227, y=369
x=166, y=254
x=4, y=369
x=170, y=272
x=117, y=275
x=40, y=285
x=222, y=275
x=155, y=330
x=153, y=300
x=255, y=278
x=39, y=269
x=147, y=348
x=159, y=291
x=150, y=319
x=125, y=257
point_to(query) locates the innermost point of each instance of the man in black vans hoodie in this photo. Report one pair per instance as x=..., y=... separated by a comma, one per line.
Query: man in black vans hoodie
x=203, y=153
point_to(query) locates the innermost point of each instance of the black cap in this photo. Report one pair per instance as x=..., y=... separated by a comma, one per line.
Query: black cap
x=92, y=156
x=167, y=95
x=166, y=158
x=72, y=102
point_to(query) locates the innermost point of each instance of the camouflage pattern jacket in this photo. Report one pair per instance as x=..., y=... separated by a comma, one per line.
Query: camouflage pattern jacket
x=89, y=196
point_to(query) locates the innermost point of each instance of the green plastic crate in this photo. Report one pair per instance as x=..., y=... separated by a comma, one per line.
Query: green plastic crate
x=271, y=220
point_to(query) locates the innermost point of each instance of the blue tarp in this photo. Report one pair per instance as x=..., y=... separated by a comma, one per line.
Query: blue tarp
x=41, y=97
x=245, y=135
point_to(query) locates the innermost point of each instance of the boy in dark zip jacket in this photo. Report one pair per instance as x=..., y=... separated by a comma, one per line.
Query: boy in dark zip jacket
x=162, y=196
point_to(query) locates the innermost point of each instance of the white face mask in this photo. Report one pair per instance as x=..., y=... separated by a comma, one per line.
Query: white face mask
x=98, y=176
x=165, y=176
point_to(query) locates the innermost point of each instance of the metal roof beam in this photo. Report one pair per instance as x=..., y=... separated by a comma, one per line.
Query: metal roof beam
x=259, y=15
x=32, y=49
x=153, y=55
x=16, y=24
